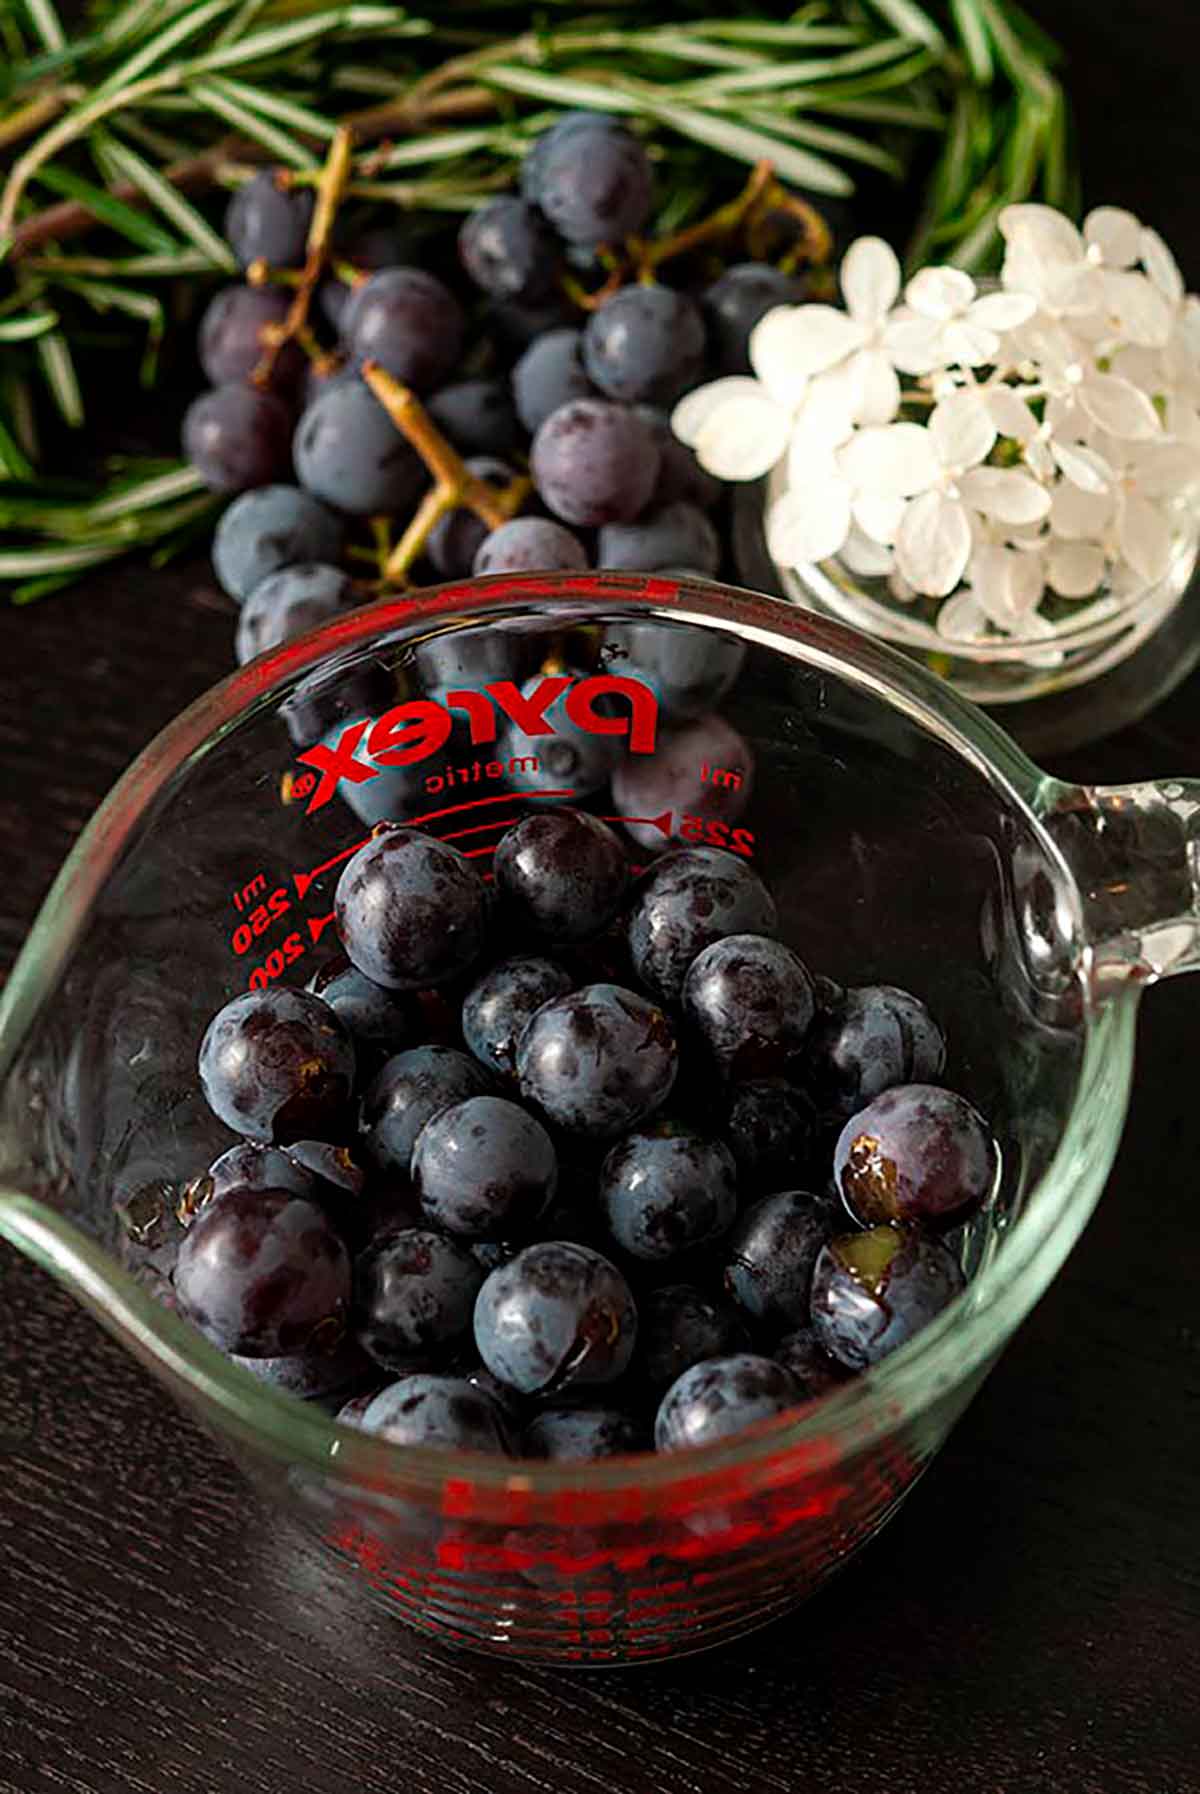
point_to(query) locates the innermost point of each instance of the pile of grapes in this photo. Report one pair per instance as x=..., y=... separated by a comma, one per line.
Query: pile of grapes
x=552, y=385
x=571, y=1162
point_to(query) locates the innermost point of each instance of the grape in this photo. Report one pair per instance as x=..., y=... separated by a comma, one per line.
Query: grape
x=530, y=545
x=877, y=1036
x=289, y=602
x=342, y=689
x=321, y=376
x=549, y=373
x=721, y=1396
x=447, y=1413
x=477, y=417
x=269, y=528
x=770, y=1257
x=736, y=301
x=579, y=1435
x=690, y=898
x=376, y=1019
x=556, y=1316
x=750, y=1000
x=678, y=1326
x=509, y=251
x=770, y=1128
x=484, y=1169
x=263, y=1274
x=594, y=462
x=680, y=475
x=689, y=670
x=231, y=342
x=597, y=1060
x=665, y=1189
x=414, y=1295
x=457, y=536
x=236, y=436
x=679, y=534
x=349, y=453
x=816, y=1373
x=594, y=185
x=408, y=322
x=918, y=1153
x=496, y=1009
x=645, y=343
x=543, y=146
x=251, y=1165
x=561, y=874
x=571, y=758
x=873, y=1292
x=313, y=1376
x=380, y=246
x=513, y=327
x=407, y=1092
x=277, y=1065
x=673, y=779
x=267, y=222
x=468, y=657
x=411, y=910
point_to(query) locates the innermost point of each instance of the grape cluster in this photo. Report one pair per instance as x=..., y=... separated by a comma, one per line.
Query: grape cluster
x=579, y=1165
x=544, y=347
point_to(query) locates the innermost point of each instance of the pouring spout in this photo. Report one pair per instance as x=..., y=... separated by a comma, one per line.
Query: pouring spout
x=1134, y=852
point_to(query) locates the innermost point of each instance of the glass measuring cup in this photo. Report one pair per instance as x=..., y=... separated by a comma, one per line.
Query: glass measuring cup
x=905, y=839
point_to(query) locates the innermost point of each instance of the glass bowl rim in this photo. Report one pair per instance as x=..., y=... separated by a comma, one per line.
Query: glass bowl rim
x=942, y=1356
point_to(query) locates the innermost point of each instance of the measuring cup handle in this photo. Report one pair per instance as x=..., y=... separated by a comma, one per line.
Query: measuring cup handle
x=1134, y=851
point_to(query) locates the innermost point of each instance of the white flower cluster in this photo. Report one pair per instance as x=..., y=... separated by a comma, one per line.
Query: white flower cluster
x=988, y=450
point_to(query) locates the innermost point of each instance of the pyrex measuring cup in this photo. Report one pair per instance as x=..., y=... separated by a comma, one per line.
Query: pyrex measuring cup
x=905, y=839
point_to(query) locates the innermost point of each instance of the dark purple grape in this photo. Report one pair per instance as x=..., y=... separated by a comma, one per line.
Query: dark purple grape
x=509, y=251
x=289, y=603
x=447, y=1413
x=250, y=1165
x=507, y=1400
x=679, y=535
x=408, y=322
x=562, y=875
x=377, y=1020
x=572, y=759
x=236, y=436
x=513, y=327
x=484, y=1169
x=530, y=545
x=351, y=1412
x=816, y=1373
x=645, y=345
x=750, y=1000
x=270, y=528
x=349, y=453
x=555, y=1317
x=678, y=1325
x=263, y=1274
x=265, y=221
x=277, y=1065
x=593, y=184
x=873, y=1292
x=343, y=688
x=770, y=1127
x=580, y=1435
x=736, y=301
x=406, y=1093
x=665, y=1189
x=411, y=910
x=477, y=417
x=680, y=475
x=496, y=1009
x=231, y=341
x=702, y=769
x=564, y=126
x=312, y=1376
x=598, y=1060
x=549, y=374
x=719, y=1397
x=367, y=250
x=338, y=1172
x=690, y=898
x=414, y=1295
x=469, y=657
x=594, y=462
x=456, y=537
x=875, y=1037
x=918, y=1153
x=771, y=1253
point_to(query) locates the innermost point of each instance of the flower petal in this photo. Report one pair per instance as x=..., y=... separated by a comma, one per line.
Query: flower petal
x=967, y=345
x=825, y=417
x=809, y=522
x=1075, y=569
x=1118, y=407
x=962, y=429
x=1052, y=236
x=1082, y=466
x=1136, y=310
x=694, y=411
x=1076, y=515
x=940, y=293
x=870, y=277
x=877, y=397
x=1010, y=414
x=744, y=438
x=1002, y=311
x=933, y=544
x=1007, y=585
x=1161, y=266
x=879, y=517
x=1144, y=367
x=963, y=619
x=1005, y=493
x=1167, y=469
x=914, y=345
x=870, y=560
x=1145, y=537
x=1116, y=233
x=896, y=460
x=793, y=342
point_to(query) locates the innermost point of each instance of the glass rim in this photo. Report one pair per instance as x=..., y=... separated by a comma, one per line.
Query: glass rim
x=943, y=1355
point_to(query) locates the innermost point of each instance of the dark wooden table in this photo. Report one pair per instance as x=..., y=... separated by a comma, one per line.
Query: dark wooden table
x=1031, y=1622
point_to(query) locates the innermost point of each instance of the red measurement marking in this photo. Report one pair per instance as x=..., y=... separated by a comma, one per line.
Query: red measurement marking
x=480, y=828
x=661, y=823
x=318, y=924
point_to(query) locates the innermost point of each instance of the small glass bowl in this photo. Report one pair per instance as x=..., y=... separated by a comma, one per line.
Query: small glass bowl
x=905, y=837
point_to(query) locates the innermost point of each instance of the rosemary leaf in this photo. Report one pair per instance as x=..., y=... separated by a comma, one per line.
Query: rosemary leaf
x=796, y=74
x=976, y=43
x=171, y=203
x=58, y=371
x=278, y=106
x=45, y=22
x=280, y=143
x=910, y=21
x=559, y=90
x=14, y=464
x=134, y=267
x=139, y=229
x=21, y=563
x=156, y=50
x=26, y=329
x=746, y=145
x=825, y=137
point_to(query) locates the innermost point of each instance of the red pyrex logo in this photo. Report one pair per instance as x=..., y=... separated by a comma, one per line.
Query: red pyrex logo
x=412, y=731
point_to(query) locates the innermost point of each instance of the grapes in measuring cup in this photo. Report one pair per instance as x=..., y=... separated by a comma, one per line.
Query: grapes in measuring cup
x=497, y=1008
x=415, y=1295
x=445, y=1412
x=561, y=875
x=278, y=1065
x=597, y=1060
x=873, y=1292
x=917, y=1153
x=263, y=1273
x=689, y=899
x=555, y=1317
x=411, y=910
x=721, y=1396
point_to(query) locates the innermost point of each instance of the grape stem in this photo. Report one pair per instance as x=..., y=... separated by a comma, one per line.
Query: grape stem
x=455, y=486
x=329, y=193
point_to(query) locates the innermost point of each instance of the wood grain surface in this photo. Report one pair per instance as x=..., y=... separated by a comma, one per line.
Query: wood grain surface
x=1029, y=1624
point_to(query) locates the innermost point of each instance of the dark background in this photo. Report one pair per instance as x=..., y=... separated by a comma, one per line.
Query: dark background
x=1030, y=1622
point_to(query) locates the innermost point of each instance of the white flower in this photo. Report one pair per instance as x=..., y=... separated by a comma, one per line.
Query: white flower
x=948, y=325
x=736, y=427
x=1088, y=278
x=1122, y=514
x=1081, y=398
